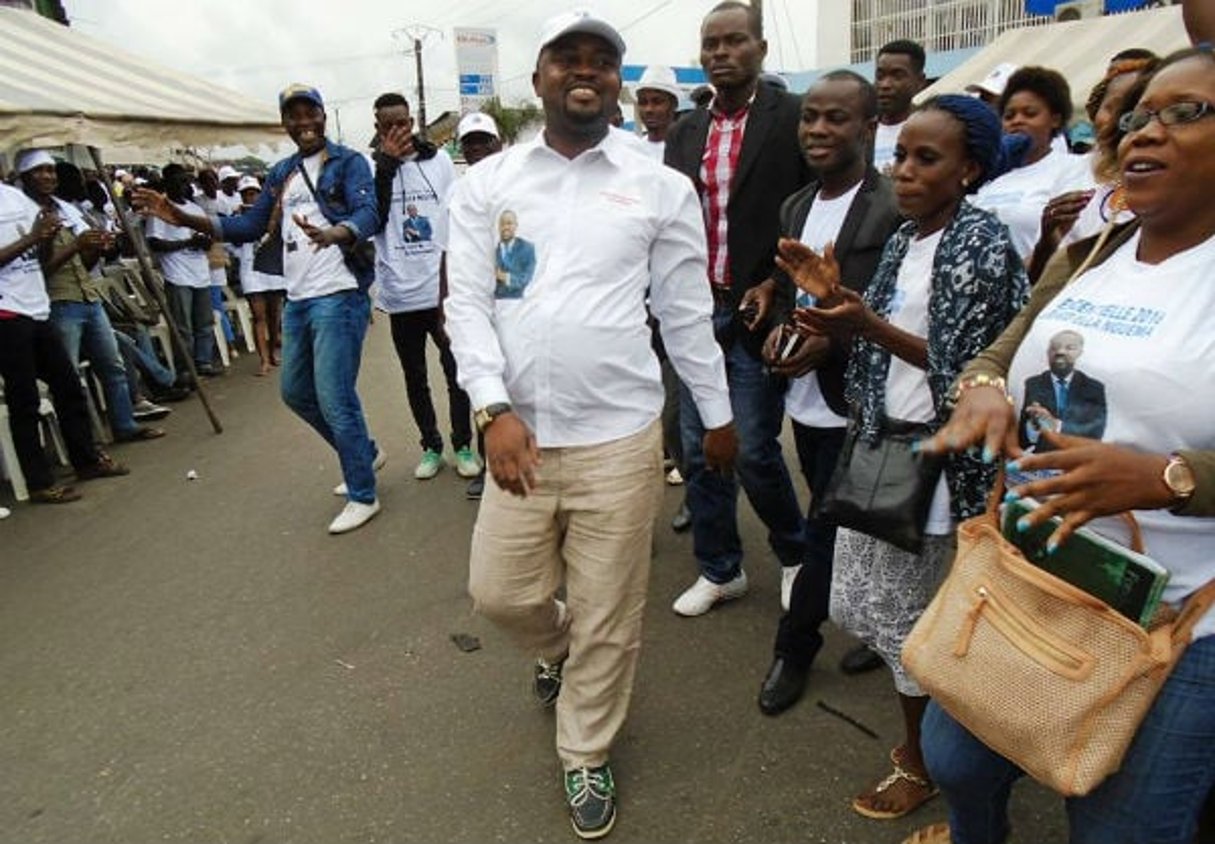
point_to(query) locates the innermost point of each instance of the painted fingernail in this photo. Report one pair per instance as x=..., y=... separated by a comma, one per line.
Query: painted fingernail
x=917, y=446
x=1011, y=496
x=988, y=455
x=1052, y=547
x=1012, y=466
x=1022, y=524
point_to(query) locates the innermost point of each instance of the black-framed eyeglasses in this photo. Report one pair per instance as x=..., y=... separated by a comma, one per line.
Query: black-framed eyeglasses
x=1170, y=115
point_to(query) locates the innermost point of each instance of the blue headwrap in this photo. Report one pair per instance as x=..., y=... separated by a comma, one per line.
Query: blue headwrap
x=983, y=134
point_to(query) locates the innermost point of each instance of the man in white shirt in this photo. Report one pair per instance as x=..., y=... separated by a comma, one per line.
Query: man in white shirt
x=32, y=350
x=184, y=264
x=568, y=393
x=657, y=95
x=898, y=77
x=413, y=178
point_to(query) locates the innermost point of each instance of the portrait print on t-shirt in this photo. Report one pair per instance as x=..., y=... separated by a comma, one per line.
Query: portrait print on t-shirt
x=1062, y=399
x=515, y=259
x=416, y=228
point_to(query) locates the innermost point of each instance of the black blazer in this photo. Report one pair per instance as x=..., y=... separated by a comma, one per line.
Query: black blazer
x=770, y=167
x=871, y=219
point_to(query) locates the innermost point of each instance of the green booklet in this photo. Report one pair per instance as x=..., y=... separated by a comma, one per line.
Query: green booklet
x=1130, y=582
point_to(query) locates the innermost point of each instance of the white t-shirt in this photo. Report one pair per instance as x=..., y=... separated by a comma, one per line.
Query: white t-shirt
x=804, y=401
x=1148, y=383
x=185, y=267
x=22, y=285
x=251, y=281
x=655, y=149
x=1096, y=216
x=908, y=396
x=307, y=272
x=1019, y=196
x=884, y=141
x=410, y=248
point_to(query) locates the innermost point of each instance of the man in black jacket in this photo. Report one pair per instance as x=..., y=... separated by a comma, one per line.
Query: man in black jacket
x=742, y=155
x=852, y=207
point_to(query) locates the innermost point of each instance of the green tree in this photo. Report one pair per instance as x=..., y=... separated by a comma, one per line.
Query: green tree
x=512, y=120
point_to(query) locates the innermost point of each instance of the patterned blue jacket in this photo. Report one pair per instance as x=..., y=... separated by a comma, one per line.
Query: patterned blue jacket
x=978, y=285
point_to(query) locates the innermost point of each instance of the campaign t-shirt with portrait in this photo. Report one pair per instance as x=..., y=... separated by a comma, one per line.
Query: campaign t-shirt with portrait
x=185, y=267
x=309, y=272
x=884, y=141
x=804, y=402
x=1019, y=196
x=908, y=396
x=410, y=247
x=1135, y=343
x=22, y=286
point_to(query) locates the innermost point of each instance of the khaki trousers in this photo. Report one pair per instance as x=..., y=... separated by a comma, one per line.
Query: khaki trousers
x=589, y=521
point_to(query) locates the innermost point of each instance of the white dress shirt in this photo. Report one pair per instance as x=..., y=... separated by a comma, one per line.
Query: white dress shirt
x=572, y=353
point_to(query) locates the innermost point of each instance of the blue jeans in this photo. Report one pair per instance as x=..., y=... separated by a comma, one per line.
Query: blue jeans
x=759, y=409
x=1155, y=798
x=322, y=349
x=85, y=327
x=138, y=350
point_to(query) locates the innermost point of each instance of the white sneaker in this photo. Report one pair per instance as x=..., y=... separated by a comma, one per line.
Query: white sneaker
x=788, y=574
x=674, y=478
x=702, y=595
x=354, y=515
x=381, y=460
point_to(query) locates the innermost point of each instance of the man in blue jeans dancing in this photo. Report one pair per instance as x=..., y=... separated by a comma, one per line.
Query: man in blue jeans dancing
x=328, y=206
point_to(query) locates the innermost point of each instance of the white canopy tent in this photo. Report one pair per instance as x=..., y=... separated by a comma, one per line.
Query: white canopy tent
x=61, y=87
x=1079, y=50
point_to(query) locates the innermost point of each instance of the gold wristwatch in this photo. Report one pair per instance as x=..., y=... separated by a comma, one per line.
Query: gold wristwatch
x=489, y=413
x=1179, y=478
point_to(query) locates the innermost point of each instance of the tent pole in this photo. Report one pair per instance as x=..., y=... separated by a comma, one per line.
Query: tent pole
x=135, y=232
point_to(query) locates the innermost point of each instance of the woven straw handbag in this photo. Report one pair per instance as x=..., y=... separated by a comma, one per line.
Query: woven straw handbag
x=1037, y=669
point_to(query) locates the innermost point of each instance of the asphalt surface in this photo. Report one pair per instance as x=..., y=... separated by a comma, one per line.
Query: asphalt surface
x=199, y=661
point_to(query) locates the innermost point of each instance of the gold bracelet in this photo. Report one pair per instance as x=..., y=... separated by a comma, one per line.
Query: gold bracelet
x=982, y=379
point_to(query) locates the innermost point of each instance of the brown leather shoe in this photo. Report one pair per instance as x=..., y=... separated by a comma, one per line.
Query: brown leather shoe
x=143, y=432
x=56, y=494
x=105, y=467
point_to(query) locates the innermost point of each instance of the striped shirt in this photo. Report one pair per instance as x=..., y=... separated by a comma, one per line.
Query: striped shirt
x=716, y=172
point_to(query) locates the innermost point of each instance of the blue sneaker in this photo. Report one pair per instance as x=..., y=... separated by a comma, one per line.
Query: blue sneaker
x=591, y=795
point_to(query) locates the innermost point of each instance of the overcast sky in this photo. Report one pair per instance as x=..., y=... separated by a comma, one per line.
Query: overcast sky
x=348, y=50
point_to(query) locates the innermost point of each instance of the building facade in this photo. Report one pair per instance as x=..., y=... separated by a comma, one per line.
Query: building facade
x=939, y=25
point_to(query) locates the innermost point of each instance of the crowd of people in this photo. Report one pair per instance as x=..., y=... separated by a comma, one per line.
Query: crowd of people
x=609, y=310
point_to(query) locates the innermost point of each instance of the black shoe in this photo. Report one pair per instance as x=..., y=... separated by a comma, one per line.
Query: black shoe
x=859, y=660
x=591, y=795
x=682, y=520
x=475, y=488
x=547, y=683
x=782, y=687
x=209, y=371
x=172, y=393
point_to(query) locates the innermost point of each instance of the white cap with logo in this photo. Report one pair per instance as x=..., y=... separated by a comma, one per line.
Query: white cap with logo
x=247, y=182
x=476, y=121
x=657, y=77
x=580, y=21
x=228, y=172
x=32, y=158
x=994, y=82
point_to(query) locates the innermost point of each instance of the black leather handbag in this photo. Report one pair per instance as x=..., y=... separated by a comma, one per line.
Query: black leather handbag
x=884, y=490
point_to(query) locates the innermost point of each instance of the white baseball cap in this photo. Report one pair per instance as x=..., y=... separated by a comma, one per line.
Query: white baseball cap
x=247, y=182
x=32, y=158
x=994, y=82
x=657, y=77
x=228, y=172
x=580, y=21
x=476, y=121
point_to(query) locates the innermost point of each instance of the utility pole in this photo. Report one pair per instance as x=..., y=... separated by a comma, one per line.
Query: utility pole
x=758, y=5
x=415, y=37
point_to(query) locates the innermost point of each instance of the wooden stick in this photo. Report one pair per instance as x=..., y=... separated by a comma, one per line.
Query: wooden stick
x=134, y=230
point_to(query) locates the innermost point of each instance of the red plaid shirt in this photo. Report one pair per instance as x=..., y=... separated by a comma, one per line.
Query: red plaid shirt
x=716, y=172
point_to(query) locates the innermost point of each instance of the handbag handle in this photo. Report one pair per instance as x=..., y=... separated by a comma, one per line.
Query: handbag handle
x=1000, y=487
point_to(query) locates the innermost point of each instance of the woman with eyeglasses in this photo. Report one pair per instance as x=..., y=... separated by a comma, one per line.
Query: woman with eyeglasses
x=1142, y=311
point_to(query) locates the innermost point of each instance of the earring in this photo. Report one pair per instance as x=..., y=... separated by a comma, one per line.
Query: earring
x=965, y=182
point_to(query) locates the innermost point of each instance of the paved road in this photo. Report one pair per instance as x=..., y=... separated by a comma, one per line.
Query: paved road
x=198, y=661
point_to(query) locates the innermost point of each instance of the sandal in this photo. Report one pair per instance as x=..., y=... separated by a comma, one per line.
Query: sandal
x=105, y=467
x=937, y=833
x=917, y=790
x=55, y=495
x=143, y=432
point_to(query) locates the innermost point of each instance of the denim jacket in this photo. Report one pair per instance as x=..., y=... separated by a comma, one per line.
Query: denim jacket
x=978, y=286
x=345, y=185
